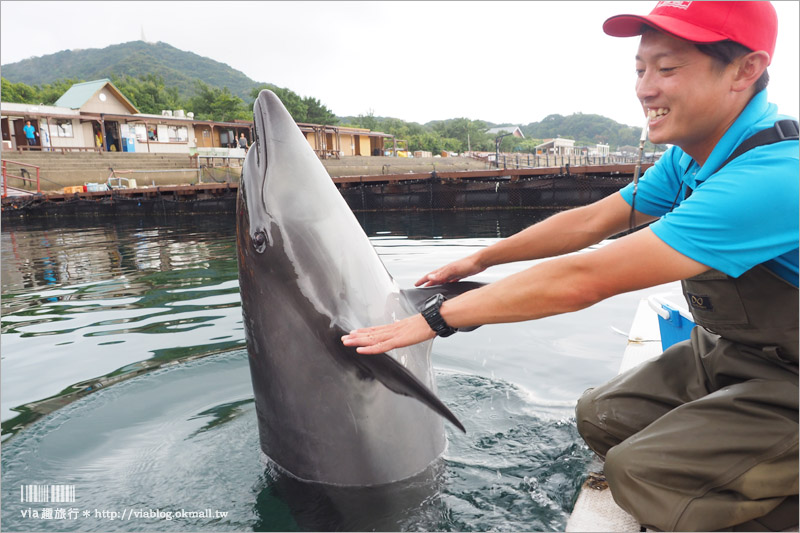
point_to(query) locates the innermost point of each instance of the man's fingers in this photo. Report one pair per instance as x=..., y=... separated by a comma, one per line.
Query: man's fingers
x=363, y=337
x=437, y=277
x=371, y=350
x=381, y=339
x=367, y=342
x=426, y=280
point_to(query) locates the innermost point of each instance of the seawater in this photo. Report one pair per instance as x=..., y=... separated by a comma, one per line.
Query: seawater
x=125, y=377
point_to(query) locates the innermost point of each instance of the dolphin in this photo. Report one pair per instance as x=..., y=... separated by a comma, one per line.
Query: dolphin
x=308, y=274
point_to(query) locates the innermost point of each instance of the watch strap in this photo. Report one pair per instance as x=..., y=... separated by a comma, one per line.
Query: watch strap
x=431, y=313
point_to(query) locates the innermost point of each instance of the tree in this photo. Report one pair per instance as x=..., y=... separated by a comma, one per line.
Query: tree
x=292, y=101
x=149, y=93
x=527, y=146
x=308, y=109
x=470, y=133
x=212, y=103
x=317, y=113
x=19, y=92
x=367, y=121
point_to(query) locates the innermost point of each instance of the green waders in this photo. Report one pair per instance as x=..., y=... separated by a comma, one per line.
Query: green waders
x=705, y=437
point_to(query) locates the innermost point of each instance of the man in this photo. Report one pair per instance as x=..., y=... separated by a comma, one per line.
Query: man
x=706, y=436
x=30, y=133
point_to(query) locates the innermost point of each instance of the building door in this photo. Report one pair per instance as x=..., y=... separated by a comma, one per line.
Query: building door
x=203, y=136
x=330, y=147
x=113, y=136
x=19, y=134
x=6, y=131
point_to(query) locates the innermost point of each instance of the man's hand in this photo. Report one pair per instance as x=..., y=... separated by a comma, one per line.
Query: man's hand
x=455, y=271
x=380, y=339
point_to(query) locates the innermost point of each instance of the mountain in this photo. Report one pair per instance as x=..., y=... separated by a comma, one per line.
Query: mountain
x=586, y=129
x=178, y=68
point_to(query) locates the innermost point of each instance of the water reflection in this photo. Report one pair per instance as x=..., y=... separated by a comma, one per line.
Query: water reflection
x=85, y=306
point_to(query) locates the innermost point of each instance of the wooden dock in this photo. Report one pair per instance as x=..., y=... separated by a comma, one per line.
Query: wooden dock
x=551, y=188
x=514, y=174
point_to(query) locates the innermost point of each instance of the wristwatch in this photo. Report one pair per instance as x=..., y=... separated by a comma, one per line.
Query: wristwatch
x=430, y=310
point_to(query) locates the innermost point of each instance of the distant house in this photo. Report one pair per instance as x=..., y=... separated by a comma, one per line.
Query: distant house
x=628, y=150
x=600, y=150
x=513, y=130
x=95, y=115
x=557, y=146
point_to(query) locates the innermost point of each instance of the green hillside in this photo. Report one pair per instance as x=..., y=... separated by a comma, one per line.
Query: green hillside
x=586, y=129
x=157, y=76
x=178, y=68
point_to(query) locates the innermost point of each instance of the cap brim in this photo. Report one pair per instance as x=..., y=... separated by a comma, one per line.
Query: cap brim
x=631, y=25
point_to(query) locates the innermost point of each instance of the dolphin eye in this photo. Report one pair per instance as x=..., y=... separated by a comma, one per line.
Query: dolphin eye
x=259, y=241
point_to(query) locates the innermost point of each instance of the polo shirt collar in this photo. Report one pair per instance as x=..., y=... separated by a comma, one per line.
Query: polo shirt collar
x=745, y=125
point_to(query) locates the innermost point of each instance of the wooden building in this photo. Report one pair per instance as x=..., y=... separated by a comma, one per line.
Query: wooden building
x=96, y=116
x=338, y=141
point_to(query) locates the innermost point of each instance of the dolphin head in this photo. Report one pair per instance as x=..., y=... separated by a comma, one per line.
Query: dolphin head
x=292, y=200
x=307, y=274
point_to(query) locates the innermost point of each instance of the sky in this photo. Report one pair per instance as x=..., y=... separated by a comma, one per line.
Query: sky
x=501, y=62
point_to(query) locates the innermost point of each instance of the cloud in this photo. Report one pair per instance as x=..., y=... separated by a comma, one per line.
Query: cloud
x=418, y=61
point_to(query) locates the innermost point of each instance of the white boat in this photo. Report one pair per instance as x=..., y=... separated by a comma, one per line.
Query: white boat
x=595, y=509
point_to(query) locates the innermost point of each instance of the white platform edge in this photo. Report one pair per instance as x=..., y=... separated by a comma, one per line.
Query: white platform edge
x=595, y=509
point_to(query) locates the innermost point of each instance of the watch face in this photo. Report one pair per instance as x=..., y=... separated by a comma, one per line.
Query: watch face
x=433, y=301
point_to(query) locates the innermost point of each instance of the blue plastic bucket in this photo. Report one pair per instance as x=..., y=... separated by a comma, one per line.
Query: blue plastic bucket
x=674, y=329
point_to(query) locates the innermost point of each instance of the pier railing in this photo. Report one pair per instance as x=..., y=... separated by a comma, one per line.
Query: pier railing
x=550, y=160
x=6, y=175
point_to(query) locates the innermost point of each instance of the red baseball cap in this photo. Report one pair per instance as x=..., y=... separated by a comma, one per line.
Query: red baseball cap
x=752, y=24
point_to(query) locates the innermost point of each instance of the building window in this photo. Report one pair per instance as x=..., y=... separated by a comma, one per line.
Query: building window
x=140, y=130
x=63, y=128
x=166, y=133
x=178, y=134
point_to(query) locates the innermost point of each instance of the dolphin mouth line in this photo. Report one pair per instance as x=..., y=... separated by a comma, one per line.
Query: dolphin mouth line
x=261, y=144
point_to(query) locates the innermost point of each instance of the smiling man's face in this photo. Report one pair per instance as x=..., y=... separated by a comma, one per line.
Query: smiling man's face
x=686, y=95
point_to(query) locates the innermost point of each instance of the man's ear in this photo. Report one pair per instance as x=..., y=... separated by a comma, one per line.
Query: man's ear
x=748, y=69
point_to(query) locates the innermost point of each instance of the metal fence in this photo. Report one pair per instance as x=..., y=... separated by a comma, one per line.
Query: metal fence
x=506, y=160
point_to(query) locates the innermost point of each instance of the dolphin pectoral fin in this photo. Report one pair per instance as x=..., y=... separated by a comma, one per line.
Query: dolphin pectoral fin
x=417, y=296
x=400, y=380
x=395, y=377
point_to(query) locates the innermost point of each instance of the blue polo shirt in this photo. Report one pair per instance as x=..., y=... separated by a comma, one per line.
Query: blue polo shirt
x=742, y=216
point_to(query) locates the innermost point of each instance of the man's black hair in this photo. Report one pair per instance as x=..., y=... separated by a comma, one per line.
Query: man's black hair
x=725, y=52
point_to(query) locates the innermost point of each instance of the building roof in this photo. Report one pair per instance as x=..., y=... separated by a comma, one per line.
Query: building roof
x=558, y=141
x=80, y=93
x=515, y=130
x=9, y=108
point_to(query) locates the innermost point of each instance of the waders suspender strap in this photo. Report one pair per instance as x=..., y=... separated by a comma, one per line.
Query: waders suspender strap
x=783, y=130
